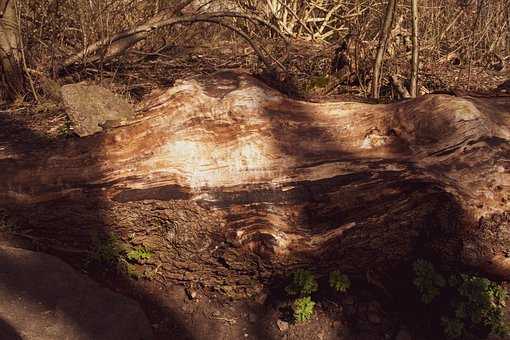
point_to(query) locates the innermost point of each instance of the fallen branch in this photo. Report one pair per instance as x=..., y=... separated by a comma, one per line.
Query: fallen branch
x=80, y=57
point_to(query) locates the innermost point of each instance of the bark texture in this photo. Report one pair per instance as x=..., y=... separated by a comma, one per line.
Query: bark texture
x=10, y=51
x=230, y=182
x=385, y=33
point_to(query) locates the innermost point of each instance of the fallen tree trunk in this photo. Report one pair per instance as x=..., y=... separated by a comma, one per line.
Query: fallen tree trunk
x=230, y=183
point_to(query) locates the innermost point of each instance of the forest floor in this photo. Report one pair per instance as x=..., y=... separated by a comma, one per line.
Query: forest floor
x=179, y=311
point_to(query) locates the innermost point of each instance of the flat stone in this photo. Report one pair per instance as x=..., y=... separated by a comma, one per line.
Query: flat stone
x=43, y=298
x=92, y=108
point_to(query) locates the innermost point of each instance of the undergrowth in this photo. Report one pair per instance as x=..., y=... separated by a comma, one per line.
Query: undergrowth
x=139, y=254
x=302, y=284
x=112, y=253
x=465, y=306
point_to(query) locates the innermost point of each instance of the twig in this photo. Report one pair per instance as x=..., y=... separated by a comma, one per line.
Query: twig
x=15, y=110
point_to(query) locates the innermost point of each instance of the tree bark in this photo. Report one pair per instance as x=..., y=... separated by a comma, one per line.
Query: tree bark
x=10, y=51
x=383, y=44
x=231, y=183
x=416, y=50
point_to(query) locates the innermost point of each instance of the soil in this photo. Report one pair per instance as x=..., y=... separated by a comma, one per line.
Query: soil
x=178, y=311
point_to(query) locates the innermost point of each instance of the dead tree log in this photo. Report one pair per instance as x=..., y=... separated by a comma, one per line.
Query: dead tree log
x=230, y=182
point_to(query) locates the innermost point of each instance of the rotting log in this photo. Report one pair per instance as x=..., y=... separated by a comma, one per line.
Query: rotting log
x=230, y=182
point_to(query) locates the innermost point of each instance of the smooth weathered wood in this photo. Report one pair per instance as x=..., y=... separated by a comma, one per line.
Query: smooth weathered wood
x=226, y=175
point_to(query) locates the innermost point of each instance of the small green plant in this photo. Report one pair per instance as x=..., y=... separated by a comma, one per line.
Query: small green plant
x=66, y=129
x=339, y=281
x=427, y=280
x=452, y=327
x=478, y=303
x=108, y=249
x=139, y=254
x=303, y=309
x=302, y=283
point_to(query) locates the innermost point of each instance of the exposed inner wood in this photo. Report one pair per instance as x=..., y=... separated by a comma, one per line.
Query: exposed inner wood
x=234, y=176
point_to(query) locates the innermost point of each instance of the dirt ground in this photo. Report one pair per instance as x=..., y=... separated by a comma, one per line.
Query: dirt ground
x=181, y=312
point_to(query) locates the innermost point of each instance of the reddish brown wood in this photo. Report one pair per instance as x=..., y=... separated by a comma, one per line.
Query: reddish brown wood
x=230, y=176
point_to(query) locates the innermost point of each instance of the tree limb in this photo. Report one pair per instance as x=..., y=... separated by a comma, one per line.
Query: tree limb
x=144, y=30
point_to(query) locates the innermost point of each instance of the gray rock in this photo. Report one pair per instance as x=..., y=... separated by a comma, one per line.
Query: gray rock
x=92, y=108
x=43, y=298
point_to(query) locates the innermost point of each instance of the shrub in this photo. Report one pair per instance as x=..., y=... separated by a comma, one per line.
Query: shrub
x=475, y=304
x=427, y=280
x=478, y=303
x=303, y=309
x=339, y=281
x=452, y=327
x=302, y=282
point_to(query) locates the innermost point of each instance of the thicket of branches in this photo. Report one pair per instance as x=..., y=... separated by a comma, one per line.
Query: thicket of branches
x=464, y=33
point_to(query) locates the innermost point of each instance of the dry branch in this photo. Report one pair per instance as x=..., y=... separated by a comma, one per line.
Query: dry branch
x=147, y=28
